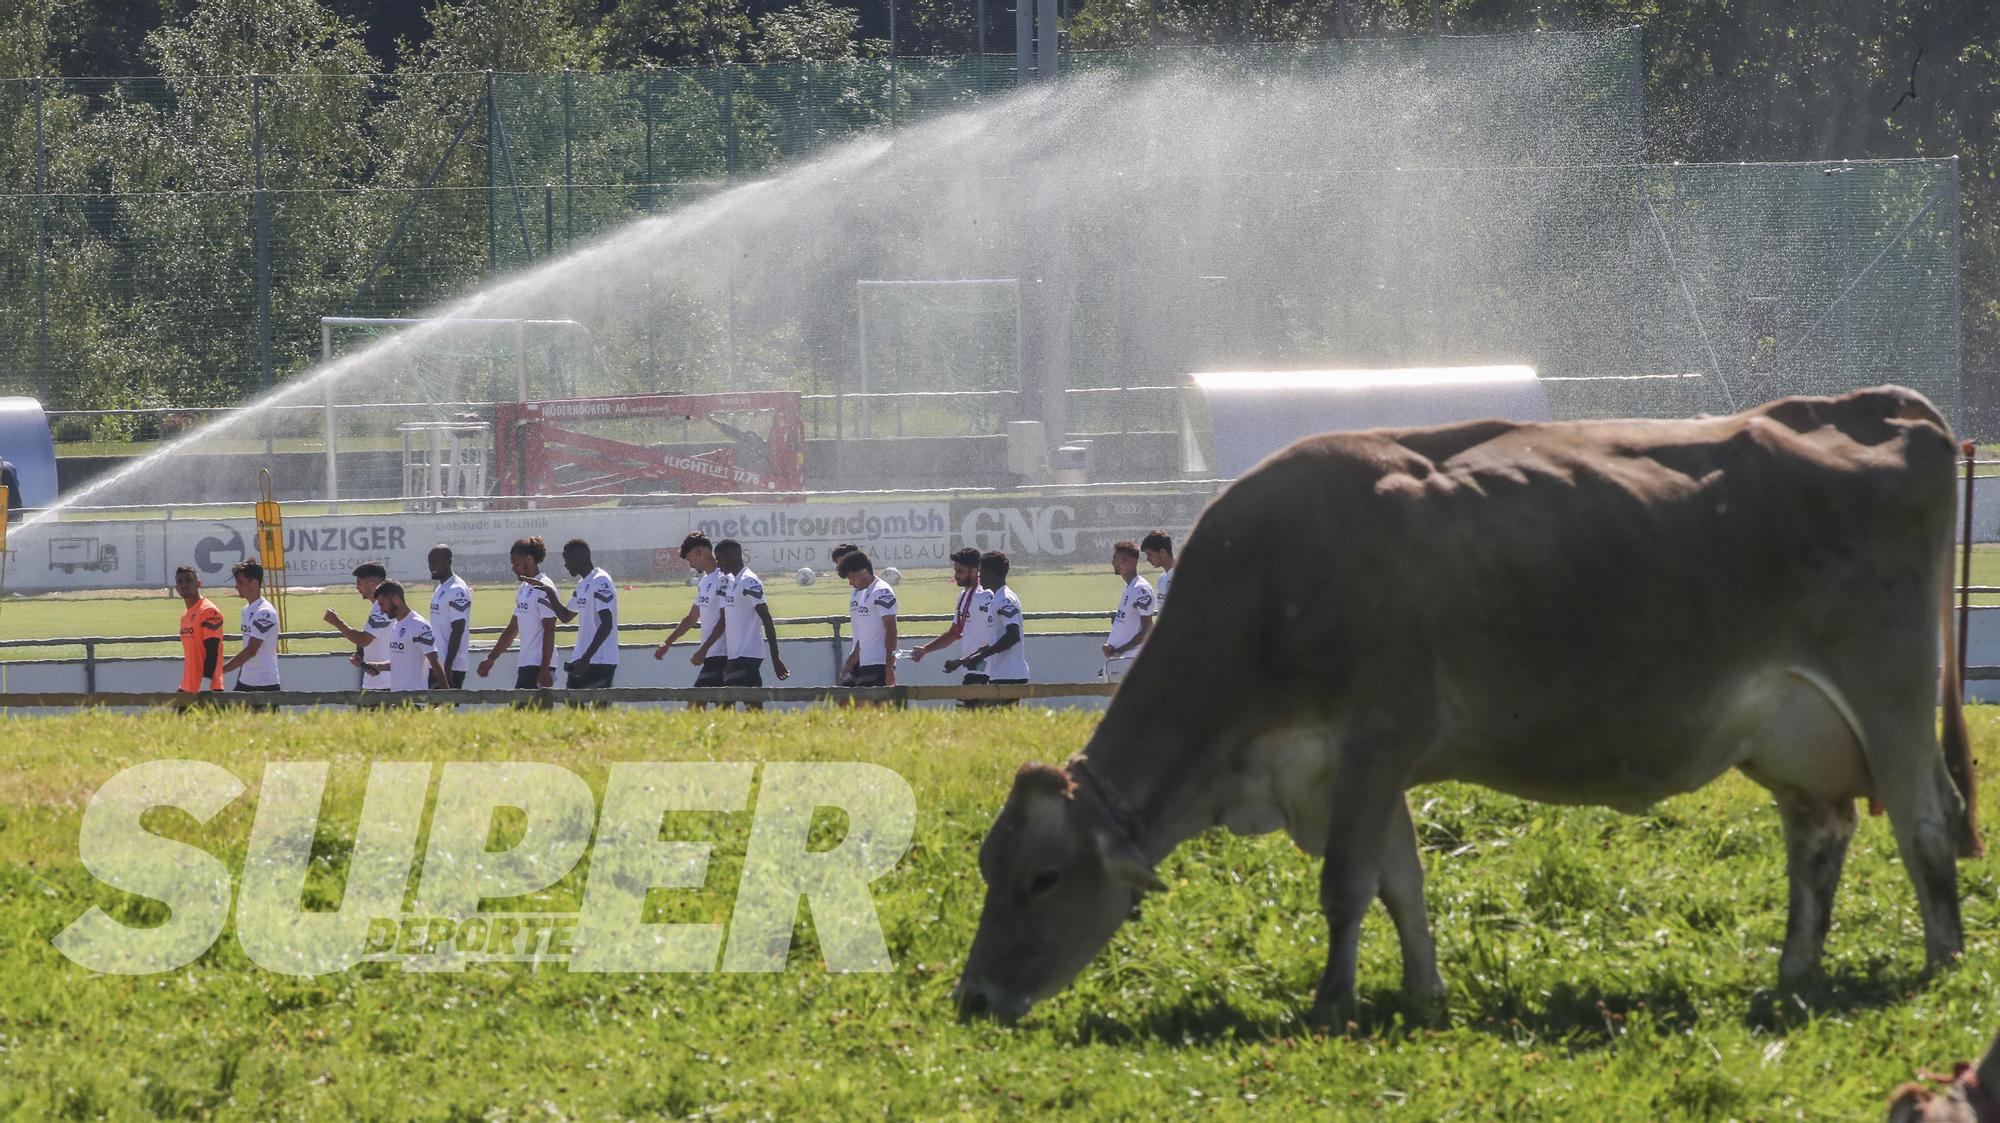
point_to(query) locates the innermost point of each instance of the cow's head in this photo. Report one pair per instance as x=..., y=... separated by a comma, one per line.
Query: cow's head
x=1062, y=873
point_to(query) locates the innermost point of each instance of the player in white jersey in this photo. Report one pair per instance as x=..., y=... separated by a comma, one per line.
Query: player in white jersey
x=367, y=577
x=451, y=619
x=1159, y=551
x=411, y=645
x=533, y=621
x=706, y=612
x=871, y=610
x=258, y=657
x=964, y=574
x=1003, y=644
x=1133, y=621
x=748, y=633
x=593, y=662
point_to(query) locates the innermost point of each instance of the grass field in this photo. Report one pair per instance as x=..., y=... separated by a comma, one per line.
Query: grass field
x=1602, y=967
x=930, y=591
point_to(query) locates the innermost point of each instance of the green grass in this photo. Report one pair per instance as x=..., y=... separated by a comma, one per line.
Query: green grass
x=928, y=591
x=1602, y=967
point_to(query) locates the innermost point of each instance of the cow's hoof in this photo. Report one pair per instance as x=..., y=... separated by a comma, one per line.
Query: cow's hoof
x=1427, y=1008
x=1332, y=1015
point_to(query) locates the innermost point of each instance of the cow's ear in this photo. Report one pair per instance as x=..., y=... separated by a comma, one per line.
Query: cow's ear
x=1124, y=862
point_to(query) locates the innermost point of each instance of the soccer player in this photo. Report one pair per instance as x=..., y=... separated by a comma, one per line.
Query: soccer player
x=257, y=660
x=1159, y=551
x=1133, y=621
x=201, y=635
x=748, y=632
x=531, y=621
x=1004, y=648
x=841, y=551
x=411, y=644
x=705, y=612
x=368, y=576
x=871, y=609
x=964, y=574
x=451, y=617
x=594, y=660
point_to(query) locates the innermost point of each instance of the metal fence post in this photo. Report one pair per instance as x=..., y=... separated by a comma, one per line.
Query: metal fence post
x=892, y=63
x=646, y=99
x=41, y=251
x=729, y=152
x=492, y=188
x=1971, y=451
x=89, y=667
x=262, y=203
x=569, y=156
x=548, y=219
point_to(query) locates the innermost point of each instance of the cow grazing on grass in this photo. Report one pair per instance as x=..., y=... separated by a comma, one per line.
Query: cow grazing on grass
x=1578, y=612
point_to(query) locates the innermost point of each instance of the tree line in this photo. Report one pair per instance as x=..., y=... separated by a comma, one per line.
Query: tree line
x=1724, y=80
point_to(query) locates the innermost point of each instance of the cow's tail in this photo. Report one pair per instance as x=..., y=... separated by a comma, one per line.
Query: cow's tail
x=1957, y=740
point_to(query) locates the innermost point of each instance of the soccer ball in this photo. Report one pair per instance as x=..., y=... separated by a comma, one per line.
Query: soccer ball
x=806, y=576
x=892, y=575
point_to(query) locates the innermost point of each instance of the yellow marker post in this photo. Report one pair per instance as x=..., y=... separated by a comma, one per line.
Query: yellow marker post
x=271, y=551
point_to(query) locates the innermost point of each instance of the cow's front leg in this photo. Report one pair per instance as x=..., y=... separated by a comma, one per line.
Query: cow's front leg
x=1368, y=803
x=1402, y=892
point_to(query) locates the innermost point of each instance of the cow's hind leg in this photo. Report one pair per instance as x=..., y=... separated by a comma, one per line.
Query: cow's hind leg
x=1402, y=891
x=1821, y=747
x=1816, y=836
x=1923, y=809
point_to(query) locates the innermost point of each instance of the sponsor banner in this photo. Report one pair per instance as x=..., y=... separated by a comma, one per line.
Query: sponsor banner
x=1070, y=528
x=80, y=555
x=323, y=550
x=783, y=538
x=632, y=543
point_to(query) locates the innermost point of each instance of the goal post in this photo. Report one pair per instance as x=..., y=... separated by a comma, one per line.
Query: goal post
x=952, y=310
x=445, y=364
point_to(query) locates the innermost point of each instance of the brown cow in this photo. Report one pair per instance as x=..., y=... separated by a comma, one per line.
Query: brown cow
x=1969, y=1095
x=1576, y=612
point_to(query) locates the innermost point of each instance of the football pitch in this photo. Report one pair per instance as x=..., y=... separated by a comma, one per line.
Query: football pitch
x=1600, y=965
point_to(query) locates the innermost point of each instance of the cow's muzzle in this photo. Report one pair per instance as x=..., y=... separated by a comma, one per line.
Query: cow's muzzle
x=977, y=998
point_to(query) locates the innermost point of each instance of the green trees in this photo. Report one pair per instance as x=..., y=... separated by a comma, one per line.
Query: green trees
x=129, y=264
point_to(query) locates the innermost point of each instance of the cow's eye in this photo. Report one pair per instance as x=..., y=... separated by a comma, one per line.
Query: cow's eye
x=1043, y=882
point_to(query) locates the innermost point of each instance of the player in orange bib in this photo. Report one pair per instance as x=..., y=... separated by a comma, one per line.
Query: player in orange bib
x=201, y=635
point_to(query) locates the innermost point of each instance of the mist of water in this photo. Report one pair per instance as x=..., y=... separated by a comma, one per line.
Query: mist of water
x=1471, y=202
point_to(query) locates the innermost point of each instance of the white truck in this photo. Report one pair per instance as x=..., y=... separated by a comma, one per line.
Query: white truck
x=76, y=552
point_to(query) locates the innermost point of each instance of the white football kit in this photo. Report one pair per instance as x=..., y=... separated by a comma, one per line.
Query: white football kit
x=595, y=592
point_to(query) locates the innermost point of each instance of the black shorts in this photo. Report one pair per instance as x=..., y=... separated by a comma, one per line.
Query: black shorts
x=593, y=676
x=743, y=672
x=247, y=688
x=877, y=675
x=527, y=678
x=712, y=670
x=453, y=680
x=972, y=680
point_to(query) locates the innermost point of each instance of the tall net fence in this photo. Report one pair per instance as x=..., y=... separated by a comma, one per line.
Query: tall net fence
x=1357, y=203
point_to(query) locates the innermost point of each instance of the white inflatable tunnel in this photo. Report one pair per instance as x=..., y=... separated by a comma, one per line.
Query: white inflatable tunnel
x=26, y=444
x=1252, y=414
